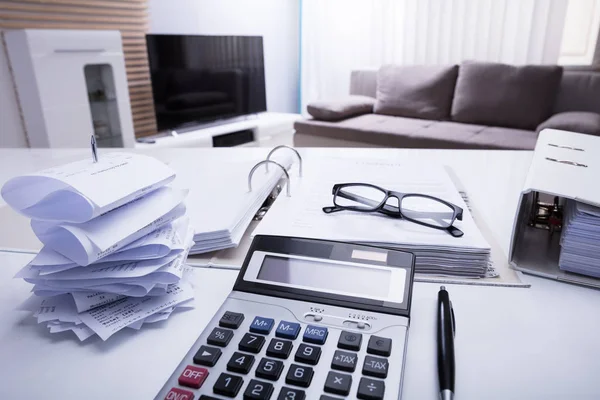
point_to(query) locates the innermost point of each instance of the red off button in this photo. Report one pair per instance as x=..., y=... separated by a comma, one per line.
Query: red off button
x=179, y=394
x=193, y=377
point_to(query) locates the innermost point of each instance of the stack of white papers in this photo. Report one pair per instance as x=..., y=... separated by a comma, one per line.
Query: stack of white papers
x=221, y=206
x=437, y=252
x=115, y=238
x=580, y=239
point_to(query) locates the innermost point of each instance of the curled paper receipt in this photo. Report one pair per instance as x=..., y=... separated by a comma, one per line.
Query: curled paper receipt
x=82, y=190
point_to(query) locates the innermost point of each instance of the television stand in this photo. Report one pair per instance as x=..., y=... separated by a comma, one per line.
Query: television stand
x=262, y=130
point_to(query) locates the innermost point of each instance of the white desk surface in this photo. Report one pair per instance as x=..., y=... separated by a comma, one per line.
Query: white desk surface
x=511, y=343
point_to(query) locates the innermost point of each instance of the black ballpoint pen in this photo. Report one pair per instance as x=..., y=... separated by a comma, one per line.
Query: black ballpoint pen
x=445, y=345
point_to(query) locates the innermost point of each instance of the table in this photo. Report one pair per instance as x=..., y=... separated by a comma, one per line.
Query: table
x=512, y=343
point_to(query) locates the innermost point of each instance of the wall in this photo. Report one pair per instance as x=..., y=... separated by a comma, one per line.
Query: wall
x=12, y=133
x=277, y=21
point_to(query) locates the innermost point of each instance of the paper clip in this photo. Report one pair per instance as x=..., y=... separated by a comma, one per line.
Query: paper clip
x=287, y=176
x=292, y=149
x=94, y=149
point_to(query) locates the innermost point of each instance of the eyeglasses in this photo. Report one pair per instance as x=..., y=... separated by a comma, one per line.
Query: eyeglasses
x=418, y=208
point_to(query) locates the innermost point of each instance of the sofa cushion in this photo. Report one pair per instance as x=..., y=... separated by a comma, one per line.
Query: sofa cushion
x=574, y=121
x=578, y=91
x=336, y=110
x=505, y=95
x=416, y=91
x=387, y=131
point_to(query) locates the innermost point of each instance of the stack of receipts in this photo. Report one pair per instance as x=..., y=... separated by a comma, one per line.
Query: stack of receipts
x=115, y=237
x=580, y=239
x=223, y=206
x=437, y=252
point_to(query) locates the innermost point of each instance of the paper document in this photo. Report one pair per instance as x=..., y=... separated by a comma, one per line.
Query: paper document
x=88, y=242
x=79, y=191
x=436, y=251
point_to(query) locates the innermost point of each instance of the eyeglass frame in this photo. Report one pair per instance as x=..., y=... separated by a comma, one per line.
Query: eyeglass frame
x=393, y=211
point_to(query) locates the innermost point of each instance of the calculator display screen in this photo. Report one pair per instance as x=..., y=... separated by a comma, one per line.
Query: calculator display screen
x=355, y=279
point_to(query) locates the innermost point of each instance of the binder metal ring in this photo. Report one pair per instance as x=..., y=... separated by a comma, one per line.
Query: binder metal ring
x=267, y=162
x=292, y=149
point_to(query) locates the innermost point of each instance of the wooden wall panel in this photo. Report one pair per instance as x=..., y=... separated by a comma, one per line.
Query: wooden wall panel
x=130, y=17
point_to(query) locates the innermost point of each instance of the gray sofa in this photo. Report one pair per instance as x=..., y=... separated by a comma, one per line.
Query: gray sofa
x=471, y=106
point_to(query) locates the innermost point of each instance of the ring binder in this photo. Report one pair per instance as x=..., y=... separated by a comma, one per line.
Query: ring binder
x=287, y=147
x=287, y=176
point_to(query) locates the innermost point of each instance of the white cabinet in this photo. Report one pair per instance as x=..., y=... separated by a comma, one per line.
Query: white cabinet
x=71, y=84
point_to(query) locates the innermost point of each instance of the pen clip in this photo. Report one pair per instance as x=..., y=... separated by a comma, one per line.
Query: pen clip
x=453, y=320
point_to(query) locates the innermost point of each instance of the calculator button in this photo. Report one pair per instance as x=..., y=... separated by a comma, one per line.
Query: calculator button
x=337, y=383
x=291, y=394
x=299, y=375
x=325, y=397
x=262, y=325
x=231, y=320
x=205, y=397
x=370, y=389
x=269, y=369
x=251, y=343
x=315, y=334
x=219, y=337
x=308, y=354
x=228, y=385
x=180, y=394
x=193, y=377
x=279, y=348
x=379, y=346
x=240, y=362
x=287, y=330
x=207, y=356
x=375, y=366
x=344, y=361
x=258, y=390
x=350, y=341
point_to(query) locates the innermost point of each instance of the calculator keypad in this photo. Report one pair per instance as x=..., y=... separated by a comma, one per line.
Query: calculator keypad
x=228, y=385
x=269, y=369
x=299, y=375
x=251, y=343
x=240, y=363
x=371, y=368
x=344, y=361
x=207, y=356
x=308, y=354
x=279, y=348
x=219, y=337
x=338, y=383
x=288, y=393
x=258, y=390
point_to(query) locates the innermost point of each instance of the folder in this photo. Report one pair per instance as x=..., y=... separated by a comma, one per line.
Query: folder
x=565, y=168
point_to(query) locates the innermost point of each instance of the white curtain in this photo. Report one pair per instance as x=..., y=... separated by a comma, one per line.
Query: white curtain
x=338, y=36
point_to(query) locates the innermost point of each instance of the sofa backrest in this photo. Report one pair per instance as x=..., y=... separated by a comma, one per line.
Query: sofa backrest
x=579, y=89
x=364, y=82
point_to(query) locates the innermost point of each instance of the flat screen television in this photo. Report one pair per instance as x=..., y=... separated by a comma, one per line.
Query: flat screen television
x=201, y=79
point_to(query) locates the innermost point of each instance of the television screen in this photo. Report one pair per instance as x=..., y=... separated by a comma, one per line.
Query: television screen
x=200, y=79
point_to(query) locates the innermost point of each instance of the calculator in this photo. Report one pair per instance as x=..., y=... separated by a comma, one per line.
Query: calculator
x=306, y=320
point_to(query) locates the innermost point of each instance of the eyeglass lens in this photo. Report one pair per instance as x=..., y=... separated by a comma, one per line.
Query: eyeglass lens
x=359, y=197
x=427, y=211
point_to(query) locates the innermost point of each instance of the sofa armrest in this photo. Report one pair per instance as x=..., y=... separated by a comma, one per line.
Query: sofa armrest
x=573, y=121
x=335, y=110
